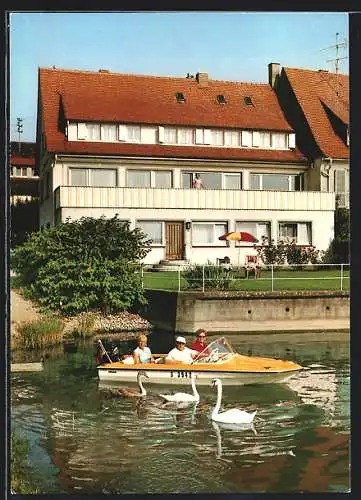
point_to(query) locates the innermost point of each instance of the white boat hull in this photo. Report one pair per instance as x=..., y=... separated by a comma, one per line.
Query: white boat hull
x=177, y=377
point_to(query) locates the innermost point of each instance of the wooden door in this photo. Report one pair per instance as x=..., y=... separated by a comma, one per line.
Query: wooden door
x=174, y=240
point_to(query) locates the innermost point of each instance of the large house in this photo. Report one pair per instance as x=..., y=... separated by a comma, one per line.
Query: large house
x=316, y=103
x=133, y=145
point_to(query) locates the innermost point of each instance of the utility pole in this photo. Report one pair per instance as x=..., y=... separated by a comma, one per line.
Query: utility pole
x=19, y=124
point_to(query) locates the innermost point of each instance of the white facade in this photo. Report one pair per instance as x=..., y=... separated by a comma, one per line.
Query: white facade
x=198, y=216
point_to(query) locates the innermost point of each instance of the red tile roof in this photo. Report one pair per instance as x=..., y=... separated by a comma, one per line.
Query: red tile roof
x=21, y=161
x=112, y=97
x=313, y=90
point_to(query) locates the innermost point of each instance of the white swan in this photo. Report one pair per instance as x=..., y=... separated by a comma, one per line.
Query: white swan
x=233, y=416
x=183, y=397
x=131, y=392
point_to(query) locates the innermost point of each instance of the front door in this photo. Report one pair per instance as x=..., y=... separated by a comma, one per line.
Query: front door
x=174, y=240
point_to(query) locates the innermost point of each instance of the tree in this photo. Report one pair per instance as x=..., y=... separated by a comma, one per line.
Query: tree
x=83, y=265
x=24, y=220
x=338, y=251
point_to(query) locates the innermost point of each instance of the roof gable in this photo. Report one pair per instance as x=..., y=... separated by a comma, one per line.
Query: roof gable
x=317, y=92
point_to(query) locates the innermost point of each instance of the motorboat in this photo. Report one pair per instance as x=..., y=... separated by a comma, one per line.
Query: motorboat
x=218, y=360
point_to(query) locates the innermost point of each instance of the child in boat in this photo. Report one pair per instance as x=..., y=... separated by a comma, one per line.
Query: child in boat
x=142, y=354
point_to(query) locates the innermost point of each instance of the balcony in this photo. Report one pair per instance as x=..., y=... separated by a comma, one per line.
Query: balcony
x=211, y=199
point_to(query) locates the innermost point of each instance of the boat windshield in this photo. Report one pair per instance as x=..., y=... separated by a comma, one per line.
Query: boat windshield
x=217, y=350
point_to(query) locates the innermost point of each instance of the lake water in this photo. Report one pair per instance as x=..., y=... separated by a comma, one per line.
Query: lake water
x=84, y=441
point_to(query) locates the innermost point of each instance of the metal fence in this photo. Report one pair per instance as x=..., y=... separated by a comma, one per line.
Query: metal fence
x=272, y=277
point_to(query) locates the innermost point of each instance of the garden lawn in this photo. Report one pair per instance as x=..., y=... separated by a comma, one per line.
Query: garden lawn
x=283, y=280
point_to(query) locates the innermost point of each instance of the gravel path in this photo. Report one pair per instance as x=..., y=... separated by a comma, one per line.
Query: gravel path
x=21, y=309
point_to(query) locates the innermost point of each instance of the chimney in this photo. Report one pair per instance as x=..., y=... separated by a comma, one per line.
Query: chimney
x=202, y=79
x=273, y=73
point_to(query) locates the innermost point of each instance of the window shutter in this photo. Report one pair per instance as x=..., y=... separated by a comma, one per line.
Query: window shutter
x=161, y=134
x=122, y=131
x=246, y=138
x=207, y=136
x=199, y=136
x=82, y=131
x=256, y=139
x=292, y=141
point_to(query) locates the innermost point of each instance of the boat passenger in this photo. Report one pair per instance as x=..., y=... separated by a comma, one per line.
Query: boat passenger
x=180, y=353
x=115, y=355
x=142, y=354
x=200, y=343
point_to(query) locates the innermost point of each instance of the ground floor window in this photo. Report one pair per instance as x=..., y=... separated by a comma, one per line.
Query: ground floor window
x=153, y=230
x=259, y=229
x=299, y=232
x=276, y=182
x=207, y=233
x=99, y=177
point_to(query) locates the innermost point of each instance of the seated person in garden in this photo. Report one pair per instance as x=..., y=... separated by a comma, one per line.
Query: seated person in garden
x=142, y=354
x=200, y=343
x=180, y=353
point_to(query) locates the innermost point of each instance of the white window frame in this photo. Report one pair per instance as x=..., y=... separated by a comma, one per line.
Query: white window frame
x=258, y=236
x=131, y=128
x=162, y=244
x=291, y=141
x=216, y=242
x=290, y=177
x=246, y=138
x=102, y=132
x=308, y=227
x=82, y=132
x=152, y=177
x=89, y=176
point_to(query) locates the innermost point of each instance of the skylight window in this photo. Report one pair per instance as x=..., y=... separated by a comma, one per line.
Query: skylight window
x=180, y=97
x=248, y=100
x=221, y=99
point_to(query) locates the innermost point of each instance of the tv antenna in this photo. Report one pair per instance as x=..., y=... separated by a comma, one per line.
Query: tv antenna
x=19, y=125
x=339, y=45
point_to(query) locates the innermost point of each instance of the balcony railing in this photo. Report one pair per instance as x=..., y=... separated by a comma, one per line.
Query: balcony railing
x=122, y=197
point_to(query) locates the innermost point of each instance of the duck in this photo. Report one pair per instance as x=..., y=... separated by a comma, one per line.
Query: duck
x=232, y=416
x=183, y=397
x=131, y=392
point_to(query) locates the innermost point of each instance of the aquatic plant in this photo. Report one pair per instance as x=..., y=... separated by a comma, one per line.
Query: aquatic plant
x=83, y=326
x=23, y=478
x=40, y=333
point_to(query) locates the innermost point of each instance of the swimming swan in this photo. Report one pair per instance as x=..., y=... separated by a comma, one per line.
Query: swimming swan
x=233, y=416
x=183, y=397
x=131, y=392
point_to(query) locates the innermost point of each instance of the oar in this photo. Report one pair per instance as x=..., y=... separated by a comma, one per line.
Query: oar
x=104, y=351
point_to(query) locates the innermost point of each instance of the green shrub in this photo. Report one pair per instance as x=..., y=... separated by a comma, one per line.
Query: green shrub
x=338, y=252
x=40, y=333
x=83, y=265
x=215, y=277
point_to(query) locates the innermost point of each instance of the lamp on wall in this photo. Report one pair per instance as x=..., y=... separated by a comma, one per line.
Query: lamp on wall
x=188, y=225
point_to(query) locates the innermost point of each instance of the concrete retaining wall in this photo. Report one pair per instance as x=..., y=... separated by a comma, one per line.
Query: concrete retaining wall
x=227, y=312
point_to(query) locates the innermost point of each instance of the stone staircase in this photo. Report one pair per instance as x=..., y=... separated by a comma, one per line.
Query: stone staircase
x=170, y=265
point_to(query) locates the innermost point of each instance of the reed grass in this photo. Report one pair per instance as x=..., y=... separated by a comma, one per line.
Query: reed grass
x=84, y=325
x=38, y=334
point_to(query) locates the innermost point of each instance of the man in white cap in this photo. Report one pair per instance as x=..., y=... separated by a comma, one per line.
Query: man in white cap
x=180, y=353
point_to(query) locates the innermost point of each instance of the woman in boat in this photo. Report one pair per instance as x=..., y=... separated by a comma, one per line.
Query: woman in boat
x=181, y=353
x=142, y=354
x=200, y=343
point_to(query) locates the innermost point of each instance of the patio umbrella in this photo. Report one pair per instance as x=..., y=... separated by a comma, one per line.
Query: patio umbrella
x=238, y=236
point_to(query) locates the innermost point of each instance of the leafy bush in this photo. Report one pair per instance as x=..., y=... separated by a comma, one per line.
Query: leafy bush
x=215, y=277
x=338, y=252
x=83, y=265
x=288, y=252
x=40, y=333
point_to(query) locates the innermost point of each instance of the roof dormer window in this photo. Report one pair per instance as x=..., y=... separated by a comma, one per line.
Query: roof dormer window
x=248, y=100
x=180, y=97
x=221, y=99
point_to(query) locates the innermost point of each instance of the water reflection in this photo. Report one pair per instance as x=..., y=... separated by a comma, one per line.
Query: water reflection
x=102, y=444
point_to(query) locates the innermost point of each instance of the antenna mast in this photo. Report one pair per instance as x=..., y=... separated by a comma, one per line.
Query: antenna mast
x=337, y=46
x=19, y=124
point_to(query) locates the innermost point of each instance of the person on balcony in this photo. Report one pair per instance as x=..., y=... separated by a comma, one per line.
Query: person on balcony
x=197, y=182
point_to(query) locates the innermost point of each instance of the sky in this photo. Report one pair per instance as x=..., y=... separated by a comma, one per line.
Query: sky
x=227, y=45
